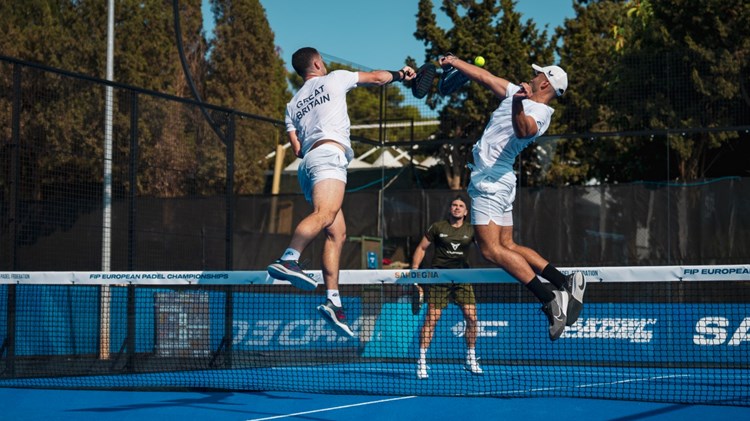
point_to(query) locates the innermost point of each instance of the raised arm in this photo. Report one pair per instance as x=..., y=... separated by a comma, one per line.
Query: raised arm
x=497, y=85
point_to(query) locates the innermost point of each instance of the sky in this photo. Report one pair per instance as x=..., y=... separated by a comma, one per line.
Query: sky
x=369, y=34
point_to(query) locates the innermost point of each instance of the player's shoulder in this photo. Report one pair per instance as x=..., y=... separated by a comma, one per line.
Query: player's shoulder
x=342, y=74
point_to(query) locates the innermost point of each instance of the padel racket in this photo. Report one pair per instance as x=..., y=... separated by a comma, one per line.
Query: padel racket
x=417, y=299
x=422, y=83
x=451, y=80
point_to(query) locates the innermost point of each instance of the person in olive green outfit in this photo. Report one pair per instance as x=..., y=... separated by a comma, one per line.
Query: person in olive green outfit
x=452, y=238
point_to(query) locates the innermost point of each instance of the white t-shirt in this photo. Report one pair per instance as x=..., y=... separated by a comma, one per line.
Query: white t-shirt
x=498, y=147
x=318, y=110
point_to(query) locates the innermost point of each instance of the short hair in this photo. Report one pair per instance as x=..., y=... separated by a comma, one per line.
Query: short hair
x=461, y=198
x=302, y=59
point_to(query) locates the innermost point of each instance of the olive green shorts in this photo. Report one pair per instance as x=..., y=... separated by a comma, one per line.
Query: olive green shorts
x=439, y=295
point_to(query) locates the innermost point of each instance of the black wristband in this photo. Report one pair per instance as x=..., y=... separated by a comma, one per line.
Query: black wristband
x=396, y=76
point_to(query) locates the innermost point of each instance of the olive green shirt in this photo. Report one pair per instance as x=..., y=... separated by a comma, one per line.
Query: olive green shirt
x=451, y=244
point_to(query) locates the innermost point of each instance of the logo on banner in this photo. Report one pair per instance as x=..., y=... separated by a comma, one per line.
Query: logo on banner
x=485, y=328
x=633, y=330
x=285, y=333
x=713, y=331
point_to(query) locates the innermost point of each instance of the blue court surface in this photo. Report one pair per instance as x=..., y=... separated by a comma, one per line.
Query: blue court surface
x=42, y=404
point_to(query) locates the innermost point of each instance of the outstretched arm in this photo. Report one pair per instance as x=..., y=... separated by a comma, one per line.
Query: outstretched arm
x=382, y=77
x=497, y=85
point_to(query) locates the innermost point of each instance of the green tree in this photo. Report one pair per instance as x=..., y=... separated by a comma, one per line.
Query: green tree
x=247, y=74
x=72, y=36
x=587, y=51
x=636, y=66
x=492, y=29
x=697, y=53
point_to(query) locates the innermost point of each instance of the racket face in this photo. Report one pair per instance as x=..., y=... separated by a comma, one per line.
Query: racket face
x=451, y=80
x=423, y=81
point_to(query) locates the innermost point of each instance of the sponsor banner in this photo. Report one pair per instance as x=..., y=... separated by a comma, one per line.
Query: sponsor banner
x=284, y=322
x=63, y=321
x=381, y=276
x=611, y=332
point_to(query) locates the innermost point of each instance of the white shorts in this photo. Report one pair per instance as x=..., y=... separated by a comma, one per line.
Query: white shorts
x=495, y=205
x=325, y=162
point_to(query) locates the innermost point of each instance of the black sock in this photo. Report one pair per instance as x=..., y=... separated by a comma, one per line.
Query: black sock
x=553, y=275
x=541, y=291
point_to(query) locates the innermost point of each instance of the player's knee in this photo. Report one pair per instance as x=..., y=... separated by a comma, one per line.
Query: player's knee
x=491, y=254
x=508, y=243
x=337, y=234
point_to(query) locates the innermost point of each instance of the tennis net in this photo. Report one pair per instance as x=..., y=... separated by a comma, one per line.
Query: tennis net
x=666, y=334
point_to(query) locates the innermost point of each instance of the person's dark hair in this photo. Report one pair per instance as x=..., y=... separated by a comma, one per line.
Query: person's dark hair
x=461, y=198
x=302, y=59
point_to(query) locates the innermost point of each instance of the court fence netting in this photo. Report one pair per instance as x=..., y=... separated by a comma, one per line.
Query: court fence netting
x=660, y=333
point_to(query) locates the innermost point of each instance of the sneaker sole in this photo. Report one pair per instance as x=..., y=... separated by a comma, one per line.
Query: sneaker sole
x=303, y=282
x=555, y=335
x=330, y=318
x=575, y=305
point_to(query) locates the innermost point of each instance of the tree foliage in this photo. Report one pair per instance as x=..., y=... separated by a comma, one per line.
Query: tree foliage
x=178, y=152
x=660, y=67
x=667, y=77
x=247, y=74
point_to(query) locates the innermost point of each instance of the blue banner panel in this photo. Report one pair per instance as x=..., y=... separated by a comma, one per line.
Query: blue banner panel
x=609, y=332
x=57, y=320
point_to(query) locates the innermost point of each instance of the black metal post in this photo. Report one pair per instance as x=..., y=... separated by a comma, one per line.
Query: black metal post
x=133, y=175
x=229, y=240
x=10, y=338
x=15, y=173
x=130, y=340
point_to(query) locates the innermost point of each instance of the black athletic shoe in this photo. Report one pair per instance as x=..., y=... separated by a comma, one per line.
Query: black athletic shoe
x=422, y=83
x=336, y=318
x=575, y=285
x=289, y=270
x=556, y=313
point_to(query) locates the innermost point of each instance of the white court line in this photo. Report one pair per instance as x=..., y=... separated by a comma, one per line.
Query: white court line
x=331, y=409
x=581, y=386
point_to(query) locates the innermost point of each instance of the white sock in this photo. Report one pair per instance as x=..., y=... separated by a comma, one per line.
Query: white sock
x=422, y=355
x=333, y=295
x=471, y=355
x=290, y=254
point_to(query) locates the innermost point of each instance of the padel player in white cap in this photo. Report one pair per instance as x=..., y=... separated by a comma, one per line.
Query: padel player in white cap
x=523, y=115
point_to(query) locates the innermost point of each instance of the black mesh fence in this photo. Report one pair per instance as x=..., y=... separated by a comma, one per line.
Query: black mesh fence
x=194, y=193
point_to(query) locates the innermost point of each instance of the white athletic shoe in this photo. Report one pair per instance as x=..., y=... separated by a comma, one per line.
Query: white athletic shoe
x=421, y=370
x=575, y=284
x=472, y=366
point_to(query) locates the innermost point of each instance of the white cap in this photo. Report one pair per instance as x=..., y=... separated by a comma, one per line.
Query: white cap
x=556, y=77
